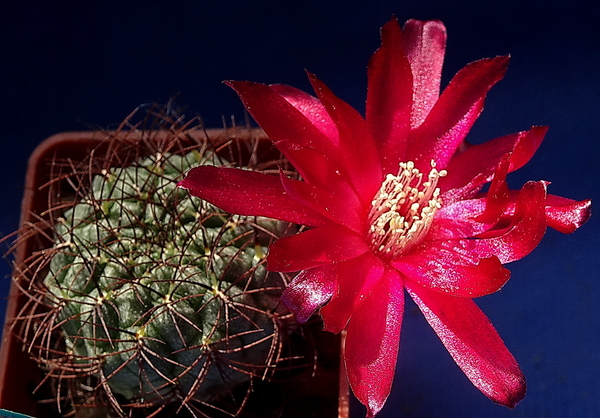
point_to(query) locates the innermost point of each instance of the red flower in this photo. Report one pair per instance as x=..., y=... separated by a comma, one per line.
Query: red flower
x=394, y=201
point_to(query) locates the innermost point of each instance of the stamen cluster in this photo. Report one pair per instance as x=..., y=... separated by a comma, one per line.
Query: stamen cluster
x=403, y=209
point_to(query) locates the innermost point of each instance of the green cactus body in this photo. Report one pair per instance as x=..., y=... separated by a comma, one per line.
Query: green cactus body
x=157, y=290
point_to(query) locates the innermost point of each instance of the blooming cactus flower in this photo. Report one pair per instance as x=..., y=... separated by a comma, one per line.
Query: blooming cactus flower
x=394, y=202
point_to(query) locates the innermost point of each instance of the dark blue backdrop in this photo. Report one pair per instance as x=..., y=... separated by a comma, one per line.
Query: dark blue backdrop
x=67, y=65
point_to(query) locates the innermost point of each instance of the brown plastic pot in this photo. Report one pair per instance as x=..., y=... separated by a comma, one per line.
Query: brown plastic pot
x=19, y=374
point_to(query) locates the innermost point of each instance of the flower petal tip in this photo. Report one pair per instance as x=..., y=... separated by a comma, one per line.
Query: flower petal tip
x=239, y=86
x=567, y=218
x=309, y=290
x=516, y=395
x=182, y=184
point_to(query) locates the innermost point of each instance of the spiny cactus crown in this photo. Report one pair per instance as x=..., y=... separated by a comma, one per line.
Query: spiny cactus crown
x=161, y=293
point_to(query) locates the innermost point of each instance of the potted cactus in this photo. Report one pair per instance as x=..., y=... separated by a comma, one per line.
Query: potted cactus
x=133, y=298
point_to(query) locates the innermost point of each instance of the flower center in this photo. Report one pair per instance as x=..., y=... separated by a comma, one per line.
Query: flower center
x=403, y=209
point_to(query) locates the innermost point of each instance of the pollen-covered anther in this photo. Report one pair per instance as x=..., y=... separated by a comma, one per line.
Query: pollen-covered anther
x=403, y=209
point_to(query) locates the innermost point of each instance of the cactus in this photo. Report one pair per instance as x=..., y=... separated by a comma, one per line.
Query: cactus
x=148, y=298
x=139, y=300
x=153, y=285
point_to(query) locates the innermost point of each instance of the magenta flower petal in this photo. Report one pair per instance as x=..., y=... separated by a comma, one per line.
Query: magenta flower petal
x=323, y=172
x=292, y=124
x=372, y=343
x=566, y=215
x=474, y=345
x=356, y=148
x=343, y=211
x=463, y=219
x=451, y=268
x=458, y=221
x=315, y=247
x=389, y=97
x=526, y=230
x=484, y=158
x=310, y=107
x=310, y=290
x=356, y=279
x=284, y=123
x=498, y=195
x=425, y=46
x=248, y=193
x=457, y=107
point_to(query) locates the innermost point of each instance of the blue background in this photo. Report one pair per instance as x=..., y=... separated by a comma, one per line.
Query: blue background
x=70, y=65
